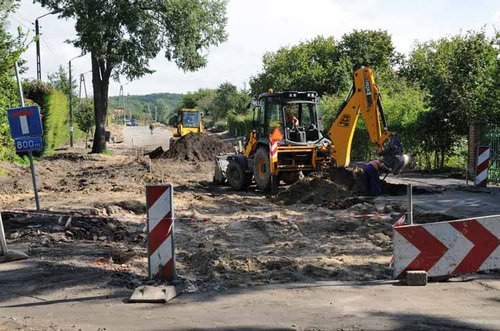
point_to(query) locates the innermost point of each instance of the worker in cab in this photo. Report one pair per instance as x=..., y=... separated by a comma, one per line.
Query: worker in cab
x=291, y=120
x=372, y=171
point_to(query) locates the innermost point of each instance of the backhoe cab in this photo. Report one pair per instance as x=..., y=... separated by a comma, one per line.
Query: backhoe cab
x=188, y=120
x=290, y=121
x=286, y=139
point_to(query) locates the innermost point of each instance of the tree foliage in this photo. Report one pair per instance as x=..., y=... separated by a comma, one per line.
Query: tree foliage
x=460, y=74
x=11, y=48
x=324, y=64
x=60, y=81
x=227, y=99
x=123, y=36
x=84, y=116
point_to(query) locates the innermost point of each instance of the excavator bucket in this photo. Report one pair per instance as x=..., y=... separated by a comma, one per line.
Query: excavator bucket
x=221, y=163
x=397, y=162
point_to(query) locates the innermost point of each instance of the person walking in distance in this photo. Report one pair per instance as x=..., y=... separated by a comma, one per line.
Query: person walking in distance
x=372, y=172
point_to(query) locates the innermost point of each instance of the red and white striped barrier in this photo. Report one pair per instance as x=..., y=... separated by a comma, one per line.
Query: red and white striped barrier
x=483, y=162
x=273, y=150
x=160, y=221
x=447, y=248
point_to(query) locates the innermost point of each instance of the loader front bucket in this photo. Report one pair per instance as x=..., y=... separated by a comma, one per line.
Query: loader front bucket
x=221, y=163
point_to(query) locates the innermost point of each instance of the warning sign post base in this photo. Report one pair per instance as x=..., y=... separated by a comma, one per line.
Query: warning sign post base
x=155, y=294
x=11, y=256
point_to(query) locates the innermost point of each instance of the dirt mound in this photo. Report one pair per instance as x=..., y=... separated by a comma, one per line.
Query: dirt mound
x=195, y=147
x=316, y=188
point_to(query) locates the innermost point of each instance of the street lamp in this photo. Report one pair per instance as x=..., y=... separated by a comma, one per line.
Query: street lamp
x=71, y=129
x=37, y=38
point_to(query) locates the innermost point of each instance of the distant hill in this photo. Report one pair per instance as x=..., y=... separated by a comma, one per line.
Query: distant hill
x=142, y=107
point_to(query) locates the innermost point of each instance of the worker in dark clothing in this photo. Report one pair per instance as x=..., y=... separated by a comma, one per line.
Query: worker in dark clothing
x=372, y=172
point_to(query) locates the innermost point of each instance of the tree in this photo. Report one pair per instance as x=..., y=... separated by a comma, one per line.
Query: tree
x=325, y=65
x=203, y=99
x=460, y=74
x=227, y=98
x=122, y=36
x=11, y=48
x=312, y=65
x=369, y=48
x=60, y=81
x=84, y=118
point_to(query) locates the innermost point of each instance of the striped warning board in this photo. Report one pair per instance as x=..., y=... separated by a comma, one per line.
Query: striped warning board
x=447, y=248
x=483, y=162
x=160, y=213
x=273, y=150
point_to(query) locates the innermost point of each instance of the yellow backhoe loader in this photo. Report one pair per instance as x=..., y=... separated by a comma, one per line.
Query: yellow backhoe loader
x=286, y=139
x=188, y=121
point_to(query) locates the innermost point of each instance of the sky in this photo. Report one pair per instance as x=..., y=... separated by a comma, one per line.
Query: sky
x=259, y=26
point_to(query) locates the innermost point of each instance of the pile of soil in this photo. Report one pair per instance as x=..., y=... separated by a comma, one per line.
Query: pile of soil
x=194, y=147
x=336, y=184
x=316, y=188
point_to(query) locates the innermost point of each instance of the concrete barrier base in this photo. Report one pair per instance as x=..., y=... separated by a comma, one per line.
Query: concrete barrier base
x=155, y=294
x=416, y=278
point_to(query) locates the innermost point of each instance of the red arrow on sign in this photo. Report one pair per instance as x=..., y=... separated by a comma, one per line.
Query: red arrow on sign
x=431, y=249
x=484, y=244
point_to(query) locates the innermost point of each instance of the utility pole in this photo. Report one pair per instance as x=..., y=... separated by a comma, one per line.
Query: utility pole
x=37, y=38
x=71, y=128
x=120, y=103
x=38, y=62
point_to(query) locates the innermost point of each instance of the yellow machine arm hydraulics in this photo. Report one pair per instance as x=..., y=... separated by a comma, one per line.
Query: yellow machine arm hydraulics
x=364, y=98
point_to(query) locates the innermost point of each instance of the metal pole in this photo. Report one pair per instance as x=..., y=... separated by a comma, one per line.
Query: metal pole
x=70, y=107
x=38, y=60
x=33, y=177
x=3, y=242
x=30, y=154
x=19, y=86
x=409, y=190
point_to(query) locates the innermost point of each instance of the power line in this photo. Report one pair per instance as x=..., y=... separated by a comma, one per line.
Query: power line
x=49, y=47
x=19, y=22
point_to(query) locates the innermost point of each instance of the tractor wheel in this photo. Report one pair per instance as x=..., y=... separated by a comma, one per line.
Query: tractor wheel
x=236, y=176
x=261, y=169
x=289, y=177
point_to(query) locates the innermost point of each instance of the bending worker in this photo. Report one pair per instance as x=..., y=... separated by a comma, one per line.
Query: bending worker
x=372, y=172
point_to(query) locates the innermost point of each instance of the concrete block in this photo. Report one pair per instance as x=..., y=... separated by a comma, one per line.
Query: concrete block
x=416, y=278
x=155, y=294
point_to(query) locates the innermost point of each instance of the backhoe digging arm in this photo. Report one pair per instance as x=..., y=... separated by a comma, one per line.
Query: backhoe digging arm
x=364, y=98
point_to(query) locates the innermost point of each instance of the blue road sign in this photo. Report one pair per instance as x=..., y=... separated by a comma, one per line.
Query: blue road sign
x=25, y=122
x=28, y=144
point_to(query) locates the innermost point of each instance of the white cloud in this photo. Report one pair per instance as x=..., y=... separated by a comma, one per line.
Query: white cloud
x=258, y=26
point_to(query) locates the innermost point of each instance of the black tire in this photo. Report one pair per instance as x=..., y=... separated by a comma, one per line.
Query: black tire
x=289, y=177
x=261, y=169
x=236, y=176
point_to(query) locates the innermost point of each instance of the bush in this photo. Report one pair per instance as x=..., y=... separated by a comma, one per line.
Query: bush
x=221, y=125
x=239, y=124
x=55, y=120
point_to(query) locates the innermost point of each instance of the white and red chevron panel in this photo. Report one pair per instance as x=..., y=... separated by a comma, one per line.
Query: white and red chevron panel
x=160, y=212
x=483, y=162
x=448, y=248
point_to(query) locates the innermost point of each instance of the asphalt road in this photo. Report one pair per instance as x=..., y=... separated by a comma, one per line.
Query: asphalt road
x=141, y=137
x=462, y=304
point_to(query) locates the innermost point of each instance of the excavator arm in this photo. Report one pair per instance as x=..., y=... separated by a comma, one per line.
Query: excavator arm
x=364, y=98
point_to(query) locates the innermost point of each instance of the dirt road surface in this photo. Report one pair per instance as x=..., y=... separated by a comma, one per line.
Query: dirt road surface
x=246, y=259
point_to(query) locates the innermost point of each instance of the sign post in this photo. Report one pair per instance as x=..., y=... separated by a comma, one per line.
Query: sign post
x=27, y=131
